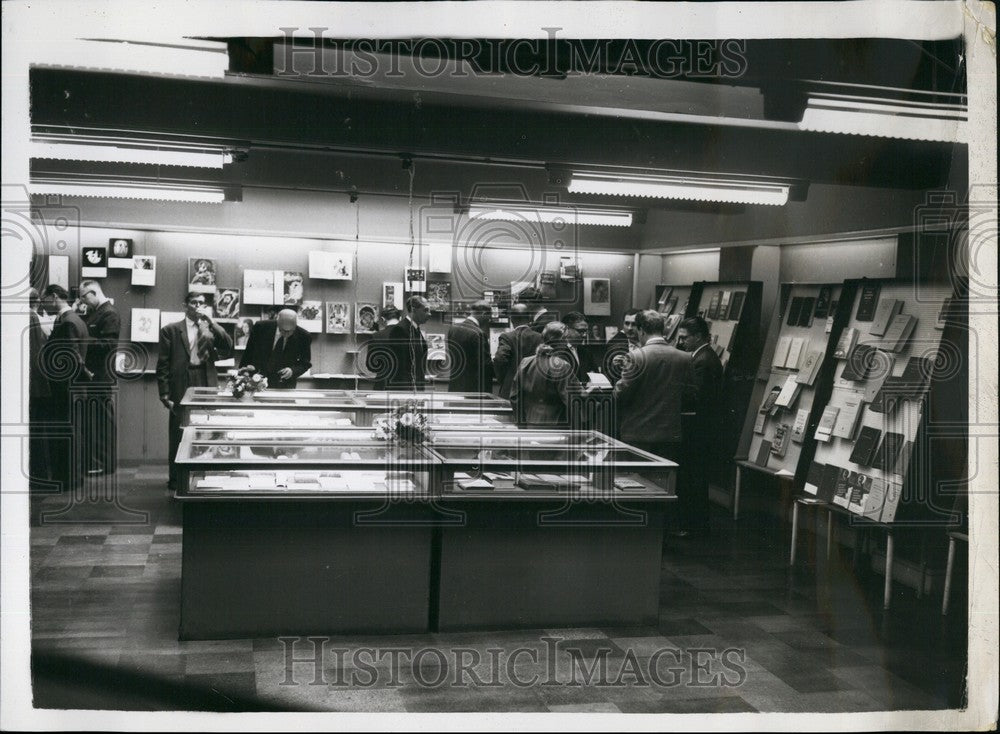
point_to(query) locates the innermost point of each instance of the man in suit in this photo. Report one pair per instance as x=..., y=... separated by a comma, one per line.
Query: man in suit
x=280, y=350
x=515, y=345
x=468, y=345
x=650, y=392
x=104, y=326
x=540, y=316
x=404, y=361
x=544, y=383
x=576, y=334
x=379, y=355
x=64, y=364
x=189, y=349
x=701, y=427
x=621, y=345
x=39, y=395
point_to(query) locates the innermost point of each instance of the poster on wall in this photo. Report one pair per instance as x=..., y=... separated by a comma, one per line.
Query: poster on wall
x=392, y=295
x=241, y=334
x=289, y=287
x=258, y=287
x=338, y=317
x=416, y=280
x=59, y=270
x=94, y=262
x=120, y=254
x=201, y=275
x=439, y=294
x=227, y=303
x=145, y=325
x=436, y=347
x=144, y=270
x=331, y=265
x=366, y=318
x=439, y=258
x=597, y=296
x=311, y=316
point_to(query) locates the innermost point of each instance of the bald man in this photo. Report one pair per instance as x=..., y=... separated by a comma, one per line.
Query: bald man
x=104, y=326
x=281, y=350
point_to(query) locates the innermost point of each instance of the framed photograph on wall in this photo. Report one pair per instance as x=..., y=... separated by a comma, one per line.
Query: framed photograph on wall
x=241, y=333
x=331, y=265
x=338, y=317
x=94, y=262
x=311, y=316
x=227, y=303
x=145, y=325
x=201, y=275
x=366, y=318
x=120, y=254
x=293, y=289
x=144, y=270
x=392, y=295
x=258, y=287
x=597, y=296
x=439, y=295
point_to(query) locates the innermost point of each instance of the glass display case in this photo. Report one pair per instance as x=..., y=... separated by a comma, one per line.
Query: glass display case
x=239, y=462
x=274, y=418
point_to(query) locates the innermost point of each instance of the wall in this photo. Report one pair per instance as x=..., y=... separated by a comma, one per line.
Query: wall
x=832, y=262
x=689, y=267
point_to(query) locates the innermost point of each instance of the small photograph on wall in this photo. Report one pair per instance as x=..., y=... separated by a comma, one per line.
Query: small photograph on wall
x=94, y=262
x=293, y=290
x=144, y=270
x=145, y=325
x=242, y=331
x=258, y=287
x=338, y=317
x=227, y=303
x=597, y=296
x=120, y=254
x=201, y=275
x=331, y=265
x=439, y=295
x=392, y=295
x=366, y=318
x=311, y=316
x=416, y=280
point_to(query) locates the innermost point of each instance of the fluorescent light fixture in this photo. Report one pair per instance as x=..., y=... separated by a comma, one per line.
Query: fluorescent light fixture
x=125, y=152
x=188, y=57
x=885, y=117
x=551, y=214
x=687, y=187
x=190, y=194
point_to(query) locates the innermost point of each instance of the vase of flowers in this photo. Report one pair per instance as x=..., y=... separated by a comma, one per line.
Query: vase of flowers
x=245, y=382
x=405, y=425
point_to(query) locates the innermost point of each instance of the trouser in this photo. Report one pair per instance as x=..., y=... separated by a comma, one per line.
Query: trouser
x=39, y=458
x=68, y=450
x=692, y=489
x=102, y=438
x=195, y=378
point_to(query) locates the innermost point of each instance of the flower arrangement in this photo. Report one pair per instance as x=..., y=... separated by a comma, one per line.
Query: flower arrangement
x=245, y=381
x=405, y=424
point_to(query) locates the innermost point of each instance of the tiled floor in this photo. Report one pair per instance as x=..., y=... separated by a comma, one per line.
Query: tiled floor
x=736, y=633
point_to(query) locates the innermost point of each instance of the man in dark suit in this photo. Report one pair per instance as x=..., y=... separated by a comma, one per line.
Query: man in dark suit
x=104, y=325
x=621, y=345
x=576, y=334
x=545, y=382
x=64, y=364
x=280, y=350
x=468, y=345
x=651, y=389
x=39, y=396
x=379, y=355
x=189, y=349
x=515, y=345
x=404, y=360
x=540, y=316
x=701, y=427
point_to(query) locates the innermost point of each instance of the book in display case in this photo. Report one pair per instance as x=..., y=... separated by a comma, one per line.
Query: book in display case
x=672, y=302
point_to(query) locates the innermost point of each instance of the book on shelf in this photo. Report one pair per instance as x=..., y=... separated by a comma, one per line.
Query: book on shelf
x=795, y=348
x=864, y=447
x=893, y=496
x=533, y=482
x=794, y=311
x=828, y=483
x=877, y=377
x=800, y=425
x=845, y=345
x=859, y=363
x=770, y=399
x=789, y=393
x=781, y=351
x=664, y=295
x=887, y=310
x=899, y=332
x=760, y=422
x=475, y=483
x=779, y=445
x=814, y=478
x=874, y=500
x=842, y=489
x=736, y=305
x=628, y=483
x=823, y=302
x=724, y=305
x=847, y=420
x=809, y=370
x=868, y=302
x=806, y=311
x=500, y=480
x=861, y=485
x=713, y=306
x=827, y=421
x=763, y=453
x=917, y=372
x=887, y=451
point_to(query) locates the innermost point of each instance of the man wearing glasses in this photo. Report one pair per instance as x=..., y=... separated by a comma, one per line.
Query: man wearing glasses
x=188, y=351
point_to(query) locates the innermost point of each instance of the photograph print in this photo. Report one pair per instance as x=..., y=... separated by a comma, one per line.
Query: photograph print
x=294, y=289
x=366, y=318
x=439, y=294
x=338, y=317
x=227, y=303
x=597, y=296
x=201, y=275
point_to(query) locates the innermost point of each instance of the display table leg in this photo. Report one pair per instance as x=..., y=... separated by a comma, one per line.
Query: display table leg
x=795, y=533
x=947, y=575
x=888, y=569
x=736, y=494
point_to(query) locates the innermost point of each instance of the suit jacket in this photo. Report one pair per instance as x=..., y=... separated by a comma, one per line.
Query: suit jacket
x=617, y=345
x=269, y=359
x=542, y=388
x=704, y=399
x=399, y=358
x=651, y=392
x=175, y=357
x=514, y=346
x=64, y=355
x=583, y=362
x=38, y=384
x=104, y=325
x=378, y=359
x=469, y=355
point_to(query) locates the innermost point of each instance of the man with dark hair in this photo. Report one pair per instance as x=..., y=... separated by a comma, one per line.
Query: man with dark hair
x=701, y=427
x=39, y=396
x=543, y=384
x=64, y=363
x=188, y=351
x=469, y=351
x=576, y=334
x=651, y=389
x=532, y=298
x=281, y=350
x=405, y=360
x=388, y=316
x=621, y=345
x=514, y=346
x=104, y=325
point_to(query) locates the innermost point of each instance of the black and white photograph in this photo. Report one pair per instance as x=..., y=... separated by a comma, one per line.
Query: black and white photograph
x=682, y=416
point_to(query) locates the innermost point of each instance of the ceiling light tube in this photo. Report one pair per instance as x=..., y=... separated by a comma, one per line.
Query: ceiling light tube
x=690, y=188
x=119, y=152
x=885, y=118
x=188, y=57
x=188, y=194
x=551, y=214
